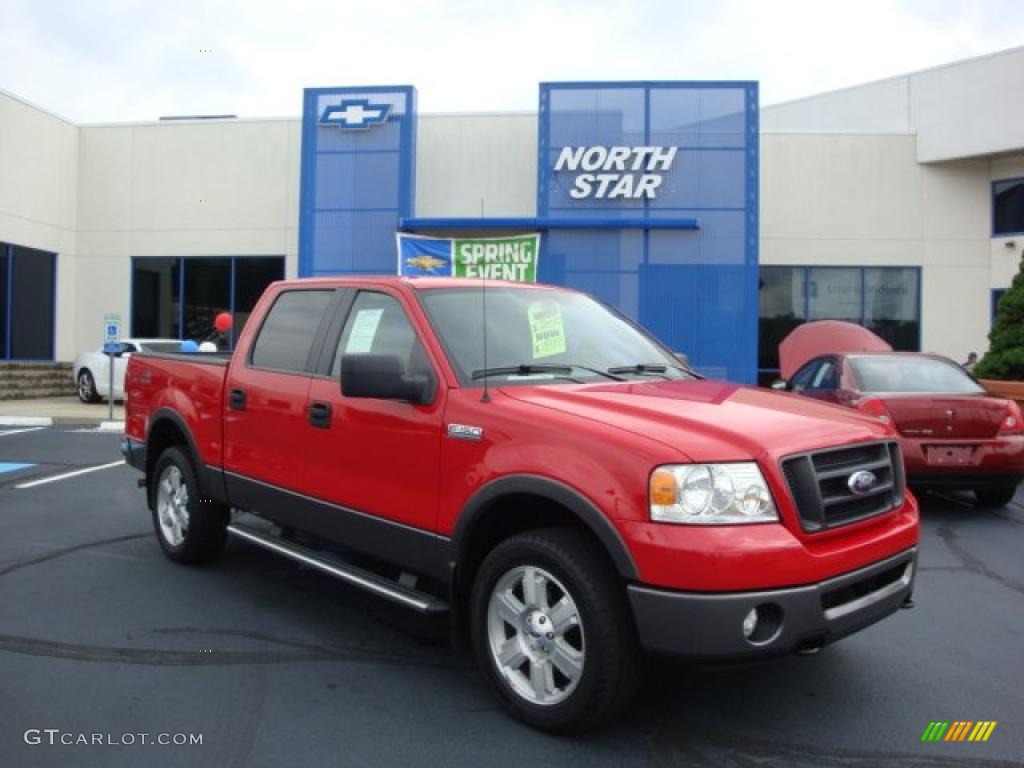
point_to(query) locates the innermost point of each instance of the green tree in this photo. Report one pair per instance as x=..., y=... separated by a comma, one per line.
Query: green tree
x=1004, y=360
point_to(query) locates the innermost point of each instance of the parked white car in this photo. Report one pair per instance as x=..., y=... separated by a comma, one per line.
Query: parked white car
x=91, y=370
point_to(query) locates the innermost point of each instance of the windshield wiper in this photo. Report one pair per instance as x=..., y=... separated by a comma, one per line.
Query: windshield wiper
x=525, y=369
x=641, y=368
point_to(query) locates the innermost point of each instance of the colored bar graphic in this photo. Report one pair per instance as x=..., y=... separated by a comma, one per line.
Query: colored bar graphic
x=959, y=730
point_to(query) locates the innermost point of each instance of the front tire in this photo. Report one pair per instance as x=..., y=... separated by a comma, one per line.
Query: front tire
x=190, y=529
x=87, y=387
x=995, y=497
x=553, y=632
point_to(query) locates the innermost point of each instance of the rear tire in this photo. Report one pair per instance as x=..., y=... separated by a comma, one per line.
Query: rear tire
x=87, y=387
x=553, y=632
x=995, y=497
x=190, y=529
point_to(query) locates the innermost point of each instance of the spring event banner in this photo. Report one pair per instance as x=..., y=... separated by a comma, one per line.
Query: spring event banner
x=494, y=258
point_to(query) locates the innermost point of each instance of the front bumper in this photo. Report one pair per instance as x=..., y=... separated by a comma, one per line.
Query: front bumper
x=710, y=626
x=134, y=452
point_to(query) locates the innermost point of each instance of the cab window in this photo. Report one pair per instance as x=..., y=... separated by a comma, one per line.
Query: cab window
x=377, y=325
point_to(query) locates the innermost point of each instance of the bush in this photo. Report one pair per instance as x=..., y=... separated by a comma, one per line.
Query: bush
x=1004, y=360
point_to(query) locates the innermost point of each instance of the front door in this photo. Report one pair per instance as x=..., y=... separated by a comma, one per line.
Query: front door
x=377, y=457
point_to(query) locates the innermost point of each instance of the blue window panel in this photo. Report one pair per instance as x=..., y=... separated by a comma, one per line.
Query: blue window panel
x=357, y=180
x=703, y=312
x=350, y=241
x=378, y=138
x=596, y=250
x=714, y=179
x=668, y=247
x=356, y=183
x=596, y=116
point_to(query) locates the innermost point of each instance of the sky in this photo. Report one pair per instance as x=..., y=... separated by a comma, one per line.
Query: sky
x=123, y=60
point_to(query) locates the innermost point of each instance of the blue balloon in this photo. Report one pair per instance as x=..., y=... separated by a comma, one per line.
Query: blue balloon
x=188, y=346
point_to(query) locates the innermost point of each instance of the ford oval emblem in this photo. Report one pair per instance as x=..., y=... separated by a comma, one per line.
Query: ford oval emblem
x=862, y=482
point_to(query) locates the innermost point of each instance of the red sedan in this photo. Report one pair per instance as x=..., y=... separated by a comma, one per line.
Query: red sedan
x=953, y=433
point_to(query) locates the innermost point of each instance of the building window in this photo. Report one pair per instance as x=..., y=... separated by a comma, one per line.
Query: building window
x=997, y=294
x=27, y=303
x=886, y=300
x=179, y=297
x=1008, y=207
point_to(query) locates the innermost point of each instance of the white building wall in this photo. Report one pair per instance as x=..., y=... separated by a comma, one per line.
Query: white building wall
x=965, y=109
x=863, y=200
x=180, y=189
x=476, y=165
x=38, y=187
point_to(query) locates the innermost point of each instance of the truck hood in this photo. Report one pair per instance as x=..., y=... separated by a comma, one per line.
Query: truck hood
x=709, y=420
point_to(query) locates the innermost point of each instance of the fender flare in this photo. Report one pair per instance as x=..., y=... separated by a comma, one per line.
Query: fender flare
x=579, y=505
x=208, y=486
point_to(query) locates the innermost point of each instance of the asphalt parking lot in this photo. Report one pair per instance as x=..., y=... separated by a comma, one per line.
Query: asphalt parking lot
x=274, y=665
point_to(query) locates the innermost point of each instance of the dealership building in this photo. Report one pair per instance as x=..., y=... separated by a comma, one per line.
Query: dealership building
x=716, y=223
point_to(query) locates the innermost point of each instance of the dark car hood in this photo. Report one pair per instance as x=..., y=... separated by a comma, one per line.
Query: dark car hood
x=710, y=420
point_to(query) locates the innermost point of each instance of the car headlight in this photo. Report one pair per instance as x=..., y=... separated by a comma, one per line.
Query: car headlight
x=711, y=494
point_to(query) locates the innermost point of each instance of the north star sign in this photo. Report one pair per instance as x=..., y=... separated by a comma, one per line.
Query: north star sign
x=624, y=172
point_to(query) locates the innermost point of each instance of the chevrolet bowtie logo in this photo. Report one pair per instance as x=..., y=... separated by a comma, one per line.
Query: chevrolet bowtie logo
x=355, y=113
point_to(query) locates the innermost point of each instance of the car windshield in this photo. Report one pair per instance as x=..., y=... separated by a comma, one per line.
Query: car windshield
x=912, y=374
x=542, y=336
x=160, y=346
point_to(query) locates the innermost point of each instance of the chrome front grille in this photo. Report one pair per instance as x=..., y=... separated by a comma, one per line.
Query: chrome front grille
x=821, y=483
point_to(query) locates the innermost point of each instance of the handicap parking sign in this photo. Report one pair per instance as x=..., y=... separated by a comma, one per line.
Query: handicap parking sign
x=111, y=328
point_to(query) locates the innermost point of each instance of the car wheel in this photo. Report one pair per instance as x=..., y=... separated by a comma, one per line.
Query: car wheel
x=87, y=387
x=553, y=632
x=190, y=529
x=995, y=497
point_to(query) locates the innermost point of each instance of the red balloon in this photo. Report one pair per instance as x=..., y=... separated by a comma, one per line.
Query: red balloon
x=223, y=322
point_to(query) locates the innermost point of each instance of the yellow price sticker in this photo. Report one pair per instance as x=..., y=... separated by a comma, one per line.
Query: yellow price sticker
x=547, y=329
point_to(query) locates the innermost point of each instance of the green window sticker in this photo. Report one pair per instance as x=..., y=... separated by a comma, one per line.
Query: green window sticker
x=547, y=329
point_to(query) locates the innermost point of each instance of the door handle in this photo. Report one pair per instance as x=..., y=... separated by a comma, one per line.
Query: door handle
x=236, y=400
x=320, y=415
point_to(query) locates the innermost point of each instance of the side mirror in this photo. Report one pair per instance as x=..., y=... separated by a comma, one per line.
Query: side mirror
x=779, y=385
x=682, y=358
x=383, y=377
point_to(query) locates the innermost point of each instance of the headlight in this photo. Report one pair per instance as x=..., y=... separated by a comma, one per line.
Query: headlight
x=710, y=494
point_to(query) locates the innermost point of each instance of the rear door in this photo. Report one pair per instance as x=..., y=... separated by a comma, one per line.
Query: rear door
x=265, y=396
x=376, y=457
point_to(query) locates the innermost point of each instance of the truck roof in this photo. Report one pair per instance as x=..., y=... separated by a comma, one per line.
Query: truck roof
x=418, y=283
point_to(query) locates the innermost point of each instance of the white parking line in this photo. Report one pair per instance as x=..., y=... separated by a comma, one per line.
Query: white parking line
x=7, y=432
x=26, y=421
x=66, y=475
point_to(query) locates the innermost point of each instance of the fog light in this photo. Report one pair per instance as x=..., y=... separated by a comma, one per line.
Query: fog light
x=750, y=623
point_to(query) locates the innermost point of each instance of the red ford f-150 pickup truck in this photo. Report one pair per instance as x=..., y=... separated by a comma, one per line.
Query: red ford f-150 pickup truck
x=562, y=486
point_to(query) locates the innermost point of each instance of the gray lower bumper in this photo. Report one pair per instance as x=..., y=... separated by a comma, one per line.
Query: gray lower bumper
x=710, y=626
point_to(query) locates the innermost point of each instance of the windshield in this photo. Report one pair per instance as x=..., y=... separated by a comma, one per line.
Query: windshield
x=536, y=336
x=912, y=374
